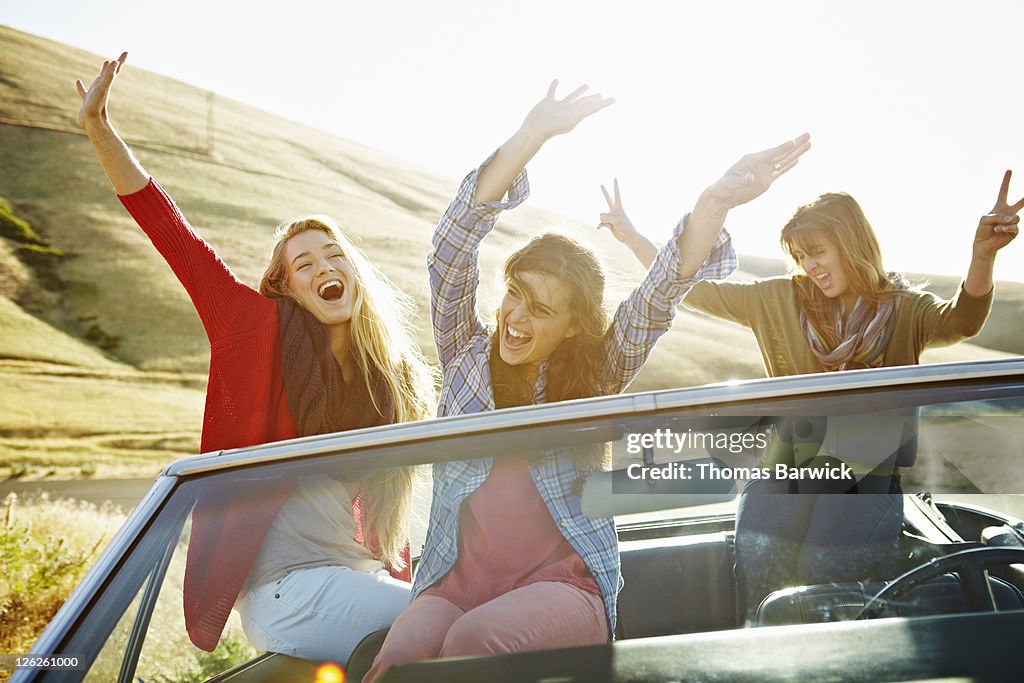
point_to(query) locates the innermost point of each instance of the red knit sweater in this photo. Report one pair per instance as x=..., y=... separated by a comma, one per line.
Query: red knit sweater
x=245, y=405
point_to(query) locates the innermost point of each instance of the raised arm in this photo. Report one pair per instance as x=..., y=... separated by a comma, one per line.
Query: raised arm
x=123, y=170
x=224, y=304
x=548, y=118
x=941, y=322
x=623, y=229
x=699, y=249
x=721, y=299
x=453, y=263
x=996, y=229
x=745, y=180
x=717, y=298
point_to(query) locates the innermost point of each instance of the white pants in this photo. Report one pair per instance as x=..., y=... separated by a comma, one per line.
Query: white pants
x=321, y=613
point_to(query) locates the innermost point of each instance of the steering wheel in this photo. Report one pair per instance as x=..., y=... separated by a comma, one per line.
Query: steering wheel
x=968, y=564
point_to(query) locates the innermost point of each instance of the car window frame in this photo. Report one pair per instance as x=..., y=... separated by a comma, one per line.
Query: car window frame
x=80, y=628
x=140, y=625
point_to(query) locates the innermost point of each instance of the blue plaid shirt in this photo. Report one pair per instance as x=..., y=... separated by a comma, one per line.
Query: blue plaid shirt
x=464, y=344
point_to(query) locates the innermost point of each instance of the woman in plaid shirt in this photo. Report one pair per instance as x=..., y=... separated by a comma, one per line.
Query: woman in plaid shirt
x=547, y=576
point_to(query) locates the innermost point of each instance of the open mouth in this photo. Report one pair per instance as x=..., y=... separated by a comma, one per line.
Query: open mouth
x=332, y=290
x=515, y=340
x=824, y=280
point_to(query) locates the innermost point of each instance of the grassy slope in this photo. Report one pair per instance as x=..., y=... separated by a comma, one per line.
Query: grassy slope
x=143, y=396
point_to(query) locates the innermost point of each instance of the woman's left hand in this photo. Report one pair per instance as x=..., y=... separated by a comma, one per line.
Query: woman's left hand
x=752, y=175
x=998, y=227
x=552, y=116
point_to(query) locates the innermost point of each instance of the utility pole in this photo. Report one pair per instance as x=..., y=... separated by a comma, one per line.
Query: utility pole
x=209, y=123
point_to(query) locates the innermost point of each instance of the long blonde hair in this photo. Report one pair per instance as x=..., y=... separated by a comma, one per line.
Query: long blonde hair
x=838, y=217
x=382, y=344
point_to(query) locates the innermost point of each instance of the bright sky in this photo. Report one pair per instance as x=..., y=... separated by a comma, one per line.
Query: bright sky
x=913, y=106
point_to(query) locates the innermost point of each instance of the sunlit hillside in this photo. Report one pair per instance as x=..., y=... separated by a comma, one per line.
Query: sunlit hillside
x=102, y=358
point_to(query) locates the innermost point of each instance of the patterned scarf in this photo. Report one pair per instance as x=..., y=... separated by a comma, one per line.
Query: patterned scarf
x=864, y=334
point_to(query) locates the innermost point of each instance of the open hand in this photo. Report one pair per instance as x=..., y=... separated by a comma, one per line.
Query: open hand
x=551, y=116
x=754, y=173
x=94, y=100
x=1000, y=226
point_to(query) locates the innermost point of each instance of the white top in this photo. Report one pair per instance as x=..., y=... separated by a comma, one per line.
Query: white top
x=315, y=528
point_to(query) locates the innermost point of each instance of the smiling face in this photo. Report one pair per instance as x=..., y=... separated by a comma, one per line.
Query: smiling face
x=832, y=241
x=319, y=277
x=535, y=317
x=820, y=258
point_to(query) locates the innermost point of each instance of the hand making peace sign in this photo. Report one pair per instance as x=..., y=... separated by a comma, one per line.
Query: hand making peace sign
x=998, y=227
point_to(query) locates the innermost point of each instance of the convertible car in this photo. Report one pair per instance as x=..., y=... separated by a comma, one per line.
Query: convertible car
x=946, y=602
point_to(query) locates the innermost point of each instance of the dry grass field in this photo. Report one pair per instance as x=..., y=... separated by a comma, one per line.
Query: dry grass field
x=42, y=558
x=102, y=358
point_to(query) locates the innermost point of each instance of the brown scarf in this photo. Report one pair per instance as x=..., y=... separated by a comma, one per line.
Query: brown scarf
x=509, y=384
x=320, y=400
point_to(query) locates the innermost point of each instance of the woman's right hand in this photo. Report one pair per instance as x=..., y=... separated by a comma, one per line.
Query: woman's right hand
x=93, y=111
x=124, y=172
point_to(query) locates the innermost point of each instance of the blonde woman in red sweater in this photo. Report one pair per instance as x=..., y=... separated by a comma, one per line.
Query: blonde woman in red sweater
x=323, y=346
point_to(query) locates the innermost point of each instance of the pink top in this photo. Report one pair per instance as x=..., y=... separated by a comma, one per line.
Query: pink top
x=509, y=540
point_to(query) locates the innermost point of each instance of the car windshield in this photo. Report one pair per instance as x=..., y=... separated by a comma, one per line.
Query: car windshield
x=670, y=468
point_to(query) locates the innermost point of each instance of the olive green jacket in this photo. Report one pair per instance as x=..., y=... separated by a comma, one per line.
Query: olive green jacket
x=769, y=308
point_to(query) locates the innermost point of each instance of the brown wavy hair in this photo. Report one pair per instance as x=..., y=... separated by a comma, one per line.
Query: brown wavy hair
x=383, y=343
x=837, y=217
x=575, y=366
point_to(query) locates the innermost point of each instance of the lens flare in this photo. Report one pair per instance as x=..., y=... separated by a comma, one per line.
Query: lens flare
x=329, y=673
